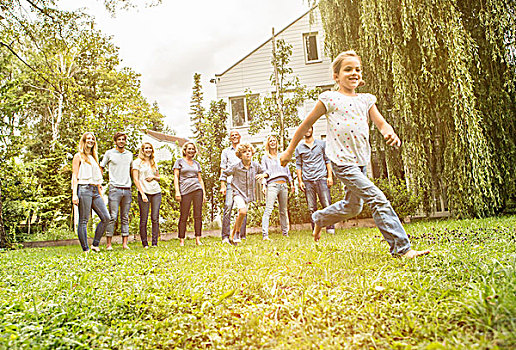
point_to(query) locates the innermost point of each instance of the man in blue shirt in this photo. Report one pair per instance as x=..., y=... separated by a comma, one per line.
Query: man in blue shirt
x=227, y=159
x=314, y=173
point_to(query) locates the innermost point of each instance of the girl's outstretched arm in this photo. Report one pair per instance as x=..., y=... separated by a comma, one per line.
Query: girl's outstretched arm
x=318, y=111
x=385, y=128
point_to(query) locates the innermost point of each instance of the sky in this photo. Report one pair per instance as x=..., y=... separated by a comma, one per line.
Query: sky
x=167, y=44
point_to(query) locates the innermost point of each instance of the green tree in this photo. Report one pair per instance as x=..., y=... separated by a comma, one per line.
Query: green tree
x=210, y=133
x=11, y=121
x=215, y=130
x=444, y=74
x=197, y=111
x=57, y=84
x=278, y=110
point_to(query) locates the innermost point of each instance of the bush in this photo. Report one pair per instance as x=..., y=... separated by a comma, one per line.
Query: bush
x=404, y=203
x=298, y=211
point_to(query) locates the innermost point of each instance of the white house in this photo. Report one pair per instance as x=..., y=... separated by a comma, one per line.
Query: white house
x=308, y=62
x=164, y=145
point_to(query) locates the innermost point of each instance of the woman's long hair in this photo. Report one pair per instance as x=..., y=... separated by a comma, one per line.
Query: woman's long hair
x=141, y=155
x=268, y=147
x=82, y=148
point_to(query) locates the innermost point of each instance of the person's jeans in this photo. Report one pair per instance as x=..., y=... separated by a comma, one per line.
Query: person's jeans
x=154, y=201
x=89, y=198
x=359, y=189
x=186, y=202
x=314, y=189
x=226, y=217
x=280, y=191
x=119, y=197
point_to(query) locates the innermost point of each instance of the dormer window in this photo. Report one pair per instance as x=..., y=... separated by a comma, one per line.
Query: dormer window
x=311, y=48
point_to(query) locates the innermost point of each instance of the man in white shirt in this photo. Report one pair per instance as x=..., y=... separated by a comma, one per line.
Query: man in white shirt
x=118, y=162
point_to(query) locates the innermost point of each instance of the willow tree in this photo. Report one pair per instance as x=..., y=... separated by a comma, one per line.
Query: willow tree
x=444, y=74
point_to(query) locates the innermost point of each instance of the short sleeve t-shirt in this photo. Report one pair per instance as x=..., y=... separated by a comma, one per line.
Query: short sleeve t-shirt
x=188, y=176
x=347, y=140
x=145, y=171
x=118, y=166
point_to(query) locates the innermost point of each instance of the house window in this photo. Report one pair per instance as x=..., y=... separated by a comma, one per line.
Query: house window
x=241, y=113
x=324, y=88
x=311, y=47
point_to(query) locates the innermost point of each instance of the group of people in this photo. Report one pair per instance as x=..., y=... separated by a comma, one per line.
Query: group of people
x=239, y=175
x=87, y=188
x=345, y=155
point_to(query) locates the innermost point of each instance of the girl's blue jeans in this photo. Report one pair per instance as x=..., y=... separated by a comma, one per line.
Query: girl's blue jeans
x=280, y=191
x=360, y=189
x=89, y=198
x=154, y=202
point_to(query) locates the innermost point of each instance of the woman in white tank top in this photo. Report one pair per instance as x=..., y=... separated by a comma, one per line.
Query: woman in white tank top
x=86, y=190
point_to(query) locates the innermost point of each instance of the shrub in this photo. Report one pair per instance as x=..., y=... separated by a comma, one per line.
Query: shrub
x=404, y=203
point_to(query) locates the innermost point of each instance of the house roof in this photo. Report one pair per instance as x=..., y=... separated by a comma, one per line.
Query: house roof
x=165, y=137
x=250, y=53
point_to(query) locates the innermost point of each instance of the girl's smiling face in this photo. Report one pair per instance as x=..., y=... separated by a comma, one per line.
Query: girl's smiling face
x=273, y=143
x=350, y=74
x=147, y=150
x=90, y=141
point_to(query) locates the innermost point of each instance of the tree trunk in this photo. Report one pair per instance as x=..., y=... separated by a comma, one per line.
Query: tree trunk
x=4, y=242
x=279, y=105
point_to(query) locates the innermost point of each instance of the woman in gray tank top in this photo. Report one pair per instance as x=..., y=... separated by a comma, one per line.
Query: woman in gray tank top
x=189, y=188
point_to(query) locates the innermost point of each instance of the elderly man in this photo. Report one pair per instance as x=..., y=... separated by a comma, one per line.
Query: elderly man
x=227, y=159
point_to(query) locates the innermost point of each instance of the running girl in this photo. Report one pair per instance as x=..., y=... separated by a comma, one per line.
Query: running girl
x=347, y=146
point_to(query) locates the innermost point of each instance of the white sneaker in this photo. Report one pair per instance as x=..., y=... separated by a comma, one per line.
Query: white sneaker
x=331, y=231
x=266, y=238
x=225, y=240
x=237, y=240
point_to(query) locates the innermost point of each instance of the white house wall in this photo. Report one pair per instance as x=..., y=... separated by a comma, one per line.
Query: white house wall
x=253, y=72
x=161, y=148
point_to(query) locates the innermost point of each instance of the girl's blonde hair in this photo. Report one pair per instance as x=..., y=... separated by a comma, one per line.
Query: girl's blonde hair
x=82, y=148
x=242, y=148
x=268, y=147
x=337, y=64
x=141, y=155
x=186, y=145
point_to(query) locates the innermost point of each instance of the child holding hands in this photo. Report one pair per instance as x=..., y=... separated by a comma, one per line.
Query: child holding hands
x=347, y=146
x=244, y=174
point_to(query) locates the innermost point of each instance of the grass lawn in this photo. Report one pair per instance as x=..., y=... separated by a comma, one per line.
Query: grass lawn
x=345, y=292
